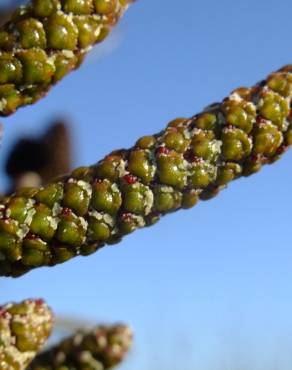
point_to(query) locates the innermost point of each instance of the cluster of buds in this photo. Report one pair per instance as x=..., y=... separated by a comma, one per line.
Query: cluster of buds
x=191, y=159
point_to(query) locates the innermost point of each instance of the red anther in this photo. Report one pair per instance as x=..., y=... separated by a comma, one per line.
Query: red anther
x=5, y=218
x=259, y=158
x=281, y=150
x=31, y=236
x=261, y=120
x=127, y=217
x=130, y=179
x=190, y=157
x=163, y=150
x=39, y=302
x=255, y=157
x=258, y=88
x=3, y=313
x=172, y=129
x=66, y=211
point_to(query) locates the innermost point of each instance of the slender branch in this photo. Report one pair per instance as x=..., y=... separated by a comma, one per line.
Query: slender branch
x=24, y=329
x=191, y=159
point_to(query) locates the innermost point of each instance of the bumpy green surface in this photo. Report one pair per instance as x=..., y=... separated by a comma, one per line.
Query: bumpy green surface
x=102, y=348
x=191, y=159
x=45, y=40
x=24, y=329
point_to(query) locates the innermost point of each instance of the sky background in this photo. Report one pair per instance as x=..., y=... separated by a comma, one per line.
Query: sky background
x=208, y=288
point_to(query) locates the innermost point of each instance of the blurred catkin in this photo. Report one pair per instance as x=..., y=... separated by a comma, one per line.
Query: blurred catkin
x=24, y=329
x=100, y=349
x=35, y=161
x=46, y=39
x=191, y=159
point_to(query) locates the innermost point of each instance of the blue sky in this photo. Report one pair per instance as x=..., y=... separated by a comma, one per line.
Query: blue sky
x=208, y=288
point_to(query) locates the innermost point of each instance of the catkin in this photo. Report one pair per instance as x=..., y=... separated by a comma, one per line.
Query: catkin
x=191, y=159
x=45, y=40
x=24, y=329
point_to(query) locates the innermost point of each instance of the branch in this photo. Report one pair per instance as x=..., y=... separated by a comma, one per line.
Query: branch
x=24, y=329
x=191, y=159
x=45, y=40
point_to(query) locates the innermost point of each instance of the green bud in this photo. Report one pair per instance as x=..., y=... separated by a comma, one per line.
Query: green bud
x=106, y=197
x=173, y=139
x=240, y=113
x=275, y=108
x=267, y=139
x=206, y=121
x=139, y=165
x=236, y=145
x=171, y=170
x=205, y=146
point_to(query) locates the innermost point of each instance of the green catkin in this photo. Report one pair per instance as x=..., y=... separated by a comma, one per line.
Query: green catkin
x=24, y=329
x=100, y=349
x=46, y=39
x=191, y=159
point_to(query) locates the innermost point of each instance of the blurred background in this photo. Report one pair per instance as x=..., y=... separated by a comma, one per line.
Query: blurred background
x=208, y=288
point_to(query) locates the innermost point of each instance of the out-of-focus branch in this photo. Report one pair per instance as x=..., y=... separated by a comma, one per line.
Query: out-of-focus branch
x=36, y=161
x=100, y=349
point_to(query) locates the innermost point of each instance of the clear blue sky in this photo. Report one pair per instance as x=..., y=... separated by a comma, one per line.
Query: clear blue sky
x=208, y=288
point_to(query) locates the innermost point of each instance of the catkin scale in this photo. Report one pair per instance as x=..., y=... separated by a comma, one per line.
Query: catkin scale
x=191, y=159
x=45, y=40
